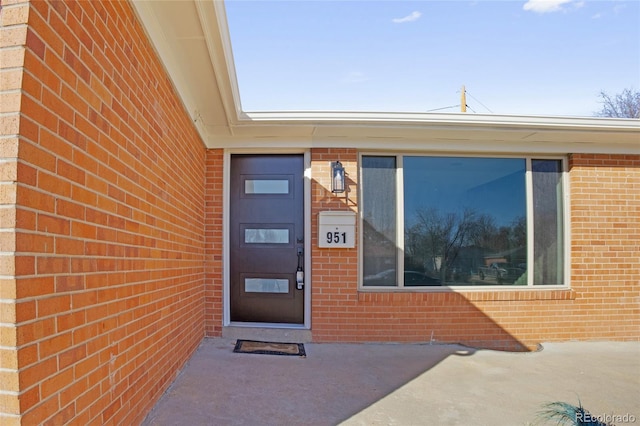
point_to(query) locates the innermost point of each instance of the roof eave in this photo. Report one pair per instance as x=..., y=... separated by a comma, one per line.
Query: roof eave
x=217, y=112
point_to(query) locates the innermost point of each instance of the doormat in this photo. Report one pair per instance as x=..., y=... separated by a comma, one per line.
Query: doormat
x=269, y=348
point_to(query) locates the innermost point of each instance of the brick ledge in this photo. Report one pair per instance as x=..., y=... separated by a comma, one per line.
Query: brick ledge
x=379, y=295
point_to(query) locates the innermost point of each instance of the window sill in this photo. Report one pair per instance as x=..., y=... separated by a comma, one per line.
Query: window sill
x=473, y=294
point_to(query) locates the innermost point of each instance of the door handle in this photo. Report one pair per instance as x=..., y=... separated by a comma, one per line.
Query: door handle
x=300, y=269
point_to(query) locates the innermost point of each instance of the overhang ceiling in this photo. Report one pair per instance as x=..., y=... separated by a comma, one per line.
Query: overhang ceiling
x=192, y=40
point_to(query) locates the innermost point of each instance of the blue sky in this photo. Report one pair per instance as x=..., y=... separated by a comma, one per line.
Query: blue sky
x=538, y=57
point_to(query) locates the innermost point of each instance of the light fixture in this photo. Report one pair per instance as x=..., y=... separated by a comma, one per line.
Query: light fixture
x=337, y=177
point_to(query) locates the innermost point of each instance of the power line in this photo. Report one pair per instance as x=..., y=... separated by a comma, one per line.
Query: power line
x=463, y=103
x=479, y=102
x=438, y=109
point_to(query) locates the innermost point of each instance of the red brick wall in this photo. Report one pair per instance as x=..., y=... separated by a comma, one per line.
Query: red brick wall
x=111, y=212
x=214, y=239
x=108, y=174
x=334, y=272
x=13, y=34
x=601, y=304
x=605, y=245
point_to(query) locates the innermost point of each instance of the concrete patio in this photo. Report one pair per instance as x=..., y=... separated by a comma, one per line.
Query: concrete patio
x=393, y=384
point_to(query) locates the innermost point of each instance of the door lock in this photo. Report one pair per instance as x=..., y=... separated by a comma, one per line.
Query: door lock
x=300, y=280
x=300, y=270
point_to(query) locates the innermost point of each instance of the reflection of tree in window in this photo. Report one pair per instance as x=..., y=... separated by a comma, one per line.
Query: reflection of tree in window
x=464, y=219
x=461, y=212
x=453, y=245
x=440, y=238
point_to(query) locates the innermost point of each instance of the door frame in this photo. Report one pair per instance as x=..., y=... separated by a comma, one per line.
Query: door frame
x=226, y=254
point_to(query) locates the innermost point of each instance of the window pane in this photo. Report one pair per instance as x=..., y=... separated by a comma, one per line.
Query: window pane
x=379, y=224
x=465, y=221
x=266, y=285
x=266, y=236
x=548, y=247
x=266, y=186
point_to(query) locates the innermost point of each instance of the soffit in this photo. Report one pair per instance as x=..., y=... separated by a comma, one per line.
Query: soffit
x=177, y=31
x=192, y=40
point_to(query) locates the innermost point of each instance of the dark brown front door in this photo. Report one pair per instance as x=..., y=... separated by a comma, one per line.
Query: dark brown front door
x=266, y=238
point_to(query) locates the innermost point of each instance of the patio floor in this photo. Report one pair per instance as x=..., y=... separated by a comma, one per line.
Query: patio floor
x=398, y=384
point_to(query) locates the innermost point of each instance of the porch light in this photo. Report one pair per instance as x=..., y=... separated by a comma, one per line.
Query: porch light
x=337, y=177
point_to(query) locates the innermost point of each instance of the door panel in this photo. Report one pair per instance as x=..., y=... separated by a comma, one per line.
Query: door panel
x=266, y=233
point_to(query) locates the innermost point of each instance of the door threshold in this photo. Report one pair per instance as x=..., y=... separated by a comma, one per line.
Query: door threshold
x=283, y=333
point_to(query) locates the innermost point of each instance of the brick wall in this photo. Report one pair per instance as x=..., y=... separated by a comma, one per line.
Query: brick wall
x=334, y=272
x=605, y=245
x=103, y=182
x=13, y=35
x=214, y=239
x=111, y=234
x=601, y=304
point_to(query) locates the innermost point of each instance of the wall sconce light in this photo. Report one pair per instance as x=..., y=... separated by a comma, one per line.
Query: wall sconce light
x=337, y=177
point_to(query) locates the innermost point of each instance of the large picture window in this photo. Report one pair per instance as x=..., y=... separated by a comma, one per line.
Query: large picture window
x=461, y=221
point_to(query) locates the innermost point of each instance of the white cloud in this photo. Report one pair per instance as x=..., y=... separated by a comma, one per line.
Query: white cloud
x=545, y=6
x=619, y=7
x=414, y=16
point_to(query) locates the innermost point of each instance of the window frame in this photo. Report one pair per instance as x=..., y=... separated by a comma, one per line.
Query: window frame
x=530, y=286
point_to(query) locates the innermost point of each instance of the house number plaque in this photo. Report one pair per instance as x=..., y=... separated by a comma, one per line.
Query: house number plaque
x=337, y=229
